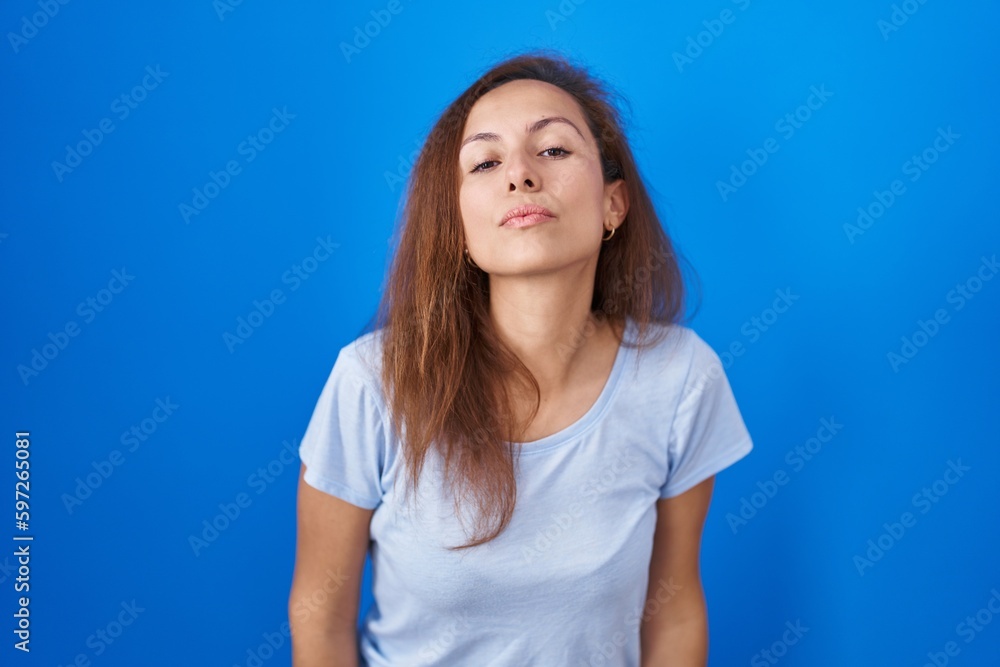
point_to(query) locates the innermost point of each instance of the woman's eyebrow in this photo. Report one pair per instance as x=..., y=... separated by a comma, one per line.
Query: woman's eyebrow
x=534, y=127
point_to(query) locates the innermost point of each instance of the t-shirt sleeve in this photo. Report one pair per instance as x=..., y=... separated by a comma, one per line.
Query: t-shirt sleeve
x=708, y=433
x=344, y=446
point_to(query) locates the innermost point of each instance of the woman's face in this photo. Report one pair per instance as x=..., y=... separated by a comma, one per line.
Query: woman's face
x=556, y=166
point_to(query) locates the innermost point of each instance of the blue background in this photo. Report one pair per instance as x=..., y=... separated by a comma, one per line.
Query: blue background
x=327, y=175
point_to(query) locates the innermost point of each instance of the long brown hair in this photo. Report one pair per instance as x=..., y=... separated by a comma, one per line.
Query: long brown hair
x=443, y=364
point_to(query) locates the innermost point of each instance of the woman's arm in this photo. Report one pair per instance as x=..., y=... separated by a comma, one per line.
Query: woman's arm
x=332, y=542
x=674, y=628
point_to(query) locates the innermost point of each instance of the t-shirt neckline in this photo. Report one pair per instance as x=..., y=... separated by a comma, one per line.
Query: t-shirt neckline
x=596, y=411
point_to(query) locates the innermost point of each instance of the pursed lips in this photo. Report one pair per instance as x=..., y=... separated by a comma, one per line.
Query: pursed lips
x=524, y=215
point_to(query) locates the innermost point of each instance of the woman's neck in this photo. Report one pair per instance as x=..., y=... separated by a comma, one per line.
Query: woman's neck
x=546, y=320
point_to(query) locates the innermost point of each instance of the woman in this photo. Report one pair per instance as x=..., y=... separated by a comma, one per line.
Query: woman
x=529, y=438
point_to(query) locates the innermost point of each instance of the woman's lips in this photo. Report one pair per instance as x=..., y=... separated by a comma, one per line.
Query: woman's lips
x=527, y=220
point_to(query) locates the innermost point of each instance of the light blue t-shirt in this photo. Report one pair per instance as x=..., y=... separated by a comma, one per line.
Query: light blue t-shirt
x=565, y=584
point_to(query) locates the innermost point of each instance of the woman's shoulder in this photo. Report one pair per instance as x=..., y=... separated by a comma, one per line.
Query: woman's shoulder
x=362, y=357
x=660, y=337
x=672, y=347
x=366, y=346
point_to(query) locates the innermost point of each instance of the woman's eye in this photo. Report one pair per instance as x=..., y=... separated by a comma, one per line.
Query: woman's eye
x=479, y=167
x=557, y=148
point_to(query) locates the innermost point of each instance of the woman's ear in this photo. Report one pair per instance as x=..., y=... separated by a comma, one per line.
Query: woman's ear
x=616, y=201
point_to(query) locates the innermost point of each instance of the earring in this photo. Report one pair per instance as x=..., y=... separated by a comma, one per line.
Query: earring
x=608, y=237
